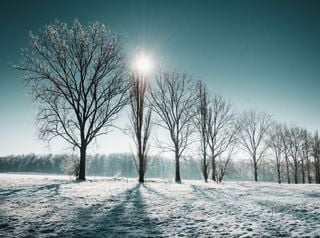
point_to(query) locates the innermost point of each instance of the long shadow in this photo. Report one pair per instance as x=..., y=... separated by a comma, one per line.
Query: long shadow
x=54, y=188
x=127, y=219
x=8, y=192
x=198, y=189
x=302, y=214
x=147, y=187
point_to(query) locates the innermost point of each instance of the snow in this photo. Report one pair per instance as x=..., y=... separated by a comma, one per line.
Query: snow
x=55, y=206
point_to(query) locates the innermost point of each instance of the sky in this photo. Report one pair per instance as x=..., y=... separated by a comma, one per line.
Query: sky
x=257, y=54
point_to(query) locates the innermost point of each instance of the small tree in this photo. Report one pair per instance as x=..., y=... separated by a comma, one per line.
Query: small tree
x=254, y=131
x=78, y=79
x=173, y=99
x=223, y=164
x=71, y=165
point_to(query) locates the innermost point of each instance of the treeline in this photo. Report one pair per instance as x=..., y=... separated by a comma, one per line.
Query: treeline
x=113, y=165
x=122, y=165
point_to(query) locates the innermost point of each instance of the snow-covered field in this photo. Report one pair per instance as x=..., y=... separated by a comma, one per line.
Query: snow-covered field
x=55, y=206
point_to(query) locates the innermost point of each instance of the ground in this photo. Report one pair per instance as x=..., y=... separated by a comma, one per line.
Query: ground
x=55, y=206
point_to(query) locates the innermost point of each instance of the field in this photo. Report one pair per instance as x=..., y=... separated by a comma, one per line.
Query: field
x=55, y=206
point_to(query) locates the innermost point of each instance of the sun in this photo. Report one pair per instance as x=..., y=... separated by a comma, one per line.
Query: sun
x=142, y=63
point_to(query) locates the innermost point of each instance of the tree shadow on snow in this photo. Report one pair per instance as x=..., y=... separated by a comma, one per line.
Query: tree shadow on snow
x=151, y=190
x=53, y=188
x=127, y=218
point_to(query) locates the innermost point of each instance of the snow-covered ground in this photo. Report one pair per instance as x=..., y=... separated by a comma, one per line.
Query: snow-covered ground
x=55, y=206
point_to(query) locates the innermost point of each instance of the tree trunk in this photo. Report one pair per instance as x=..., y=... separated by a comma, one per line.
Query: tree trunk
x=295, y=172
x=288, y=169
x=205, y=170
x=141, y=169
x=279, y=173
x=303, y=172
x=177, y=178
x=82, y=167
x=309, y=171
x=213, y=166
x=255, y=168
x=317, y=169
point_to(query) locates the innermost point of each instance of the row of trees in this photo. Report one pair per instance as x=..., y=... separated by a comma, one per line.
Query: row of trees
x=298, y=150
x=80, y=79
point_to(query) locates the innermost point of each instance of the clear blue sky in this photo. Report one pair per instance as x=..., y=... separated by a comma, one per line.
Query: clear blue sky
x=258, y=54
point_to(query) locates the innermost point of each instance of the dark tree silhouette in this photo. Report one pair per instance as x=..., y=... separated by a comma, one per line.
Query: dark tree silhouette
x=78, y=79
x=295, y=143
x=201, y=122
x=253, y=136
x=316, y=155
x=285, y=136
x=275, y=143
x=305, y=155
x=173, y=99
x=140, y=121
x=222, y=129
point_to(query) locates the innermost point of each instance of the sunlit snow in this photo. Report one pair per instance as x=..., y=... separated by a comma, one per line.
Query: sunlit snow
x=41, y=206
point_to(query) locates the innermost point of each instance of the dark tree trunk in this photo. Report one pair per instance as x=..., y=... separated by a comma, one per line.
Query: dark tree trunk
x=255, y=170
x=279, y=173
x=295, y=172
x=317, y=169
x=309, y=178
x=141, y=169
x=177, y=177
x=288, y=169
x=82, y=167
x=205, y=170
x=213, y=166
x=309, y=171
x=303, y=173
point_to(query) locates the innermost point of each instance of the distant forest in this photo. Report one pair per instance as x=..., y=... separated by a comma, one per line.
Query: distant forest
x=122, y=165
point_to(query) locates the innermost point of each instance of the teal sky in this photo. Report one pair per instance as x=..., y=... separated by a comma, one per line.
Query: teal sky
x=258, y=54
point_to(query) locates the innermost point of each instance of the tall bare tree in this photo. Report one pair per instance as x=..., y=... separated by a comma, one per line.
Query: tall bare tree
x=173, y=99
x=295, y=144
x=285, y=139
x=275, y=143
x=305, y=155
x=222, y=129
x=77, y=77
x=201, y=123
x=140, y=121
x=316, y=155
x=253, y=135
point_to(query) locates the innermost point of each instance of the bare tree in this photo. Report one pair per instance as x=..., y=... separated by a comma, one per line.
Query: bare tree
x=253, y=135
x=295, y=144
x=222, y=129
x=140, y=121
x=223, y=164
x=78, y=79
x=71, y=165
x=285, y=139
x=275, y=143
x=316, y=155
x=305, y=155
x=201, y=122
x=173, y=99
